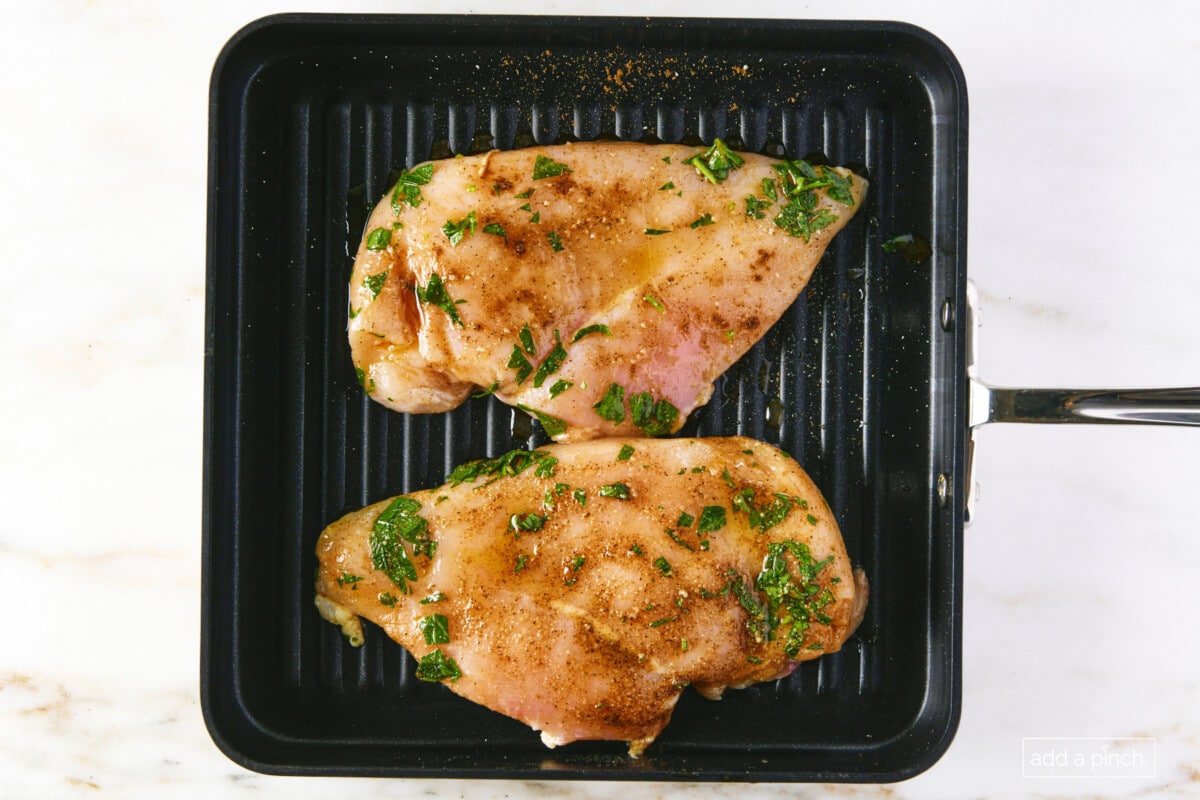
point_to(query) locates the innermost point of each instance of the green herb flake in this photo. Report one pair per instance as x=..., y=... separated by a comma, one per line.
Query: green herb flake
x=811, y=519
x=754, y=207
x=387, y=599
x=612, y=405
x=528, y=523
x=525, y=207
x=677, y=540
x=398, y=523
x=617, y=491
x=685, y=520
x=435, y=628
x=365, y=383
x=660, y=622
x=625, y=453
x=753, y=660
x=555, y=241
x=654, y=418
x=712, y=518
x=379, y=239
x=525, y=195
x=577, y=563
x=552, y=425
x=664, y=566
x=374, y=283
x=437, y=666
x=346, y=579
x=795, y=599
x=456, y=231
x=408, y=187
x=683, y=645
x=495, y=229
x=560, y=386
x=702, y=220
x=526, y=338
x=489, y=390
x=654, y=231
x=522, y=560
x=517, y=361
x=666, y=187
x=655, y=302
x=436, y=597
x=544, y=167
x=435, y=294
x=666, y=159
x=536, y=219
x=580, y=496
x=715, y=163
x=511, y=463
x=590, y=329
x=551, y=362
x=636, y=550
x=768, y=187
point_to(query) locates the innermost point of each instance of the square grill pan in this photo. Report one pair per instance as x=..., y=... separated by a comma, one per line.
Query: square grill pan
x=863, y=380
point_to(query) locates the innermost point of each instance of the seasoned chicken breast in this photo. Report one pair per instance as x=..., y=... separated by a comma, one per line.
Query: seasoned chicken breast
x=581, y=587
x=602, y=287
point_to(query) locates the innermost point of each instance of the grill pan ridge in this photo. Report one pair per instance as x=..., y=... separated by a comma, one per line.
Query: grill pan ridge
x=863, y=379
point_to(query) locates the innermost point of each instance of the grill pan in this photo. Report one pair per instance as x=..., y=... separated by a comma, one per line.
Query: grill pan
x=864, y=380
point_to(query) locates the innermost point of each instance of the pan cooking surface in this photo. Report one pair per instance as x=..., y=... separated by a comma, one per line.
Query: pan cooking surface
x=862, y=380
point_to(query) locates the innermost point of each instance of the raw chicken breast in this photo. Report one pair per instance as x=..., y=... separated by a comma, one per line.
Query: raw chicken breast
x=601, y=286
x=581, y=587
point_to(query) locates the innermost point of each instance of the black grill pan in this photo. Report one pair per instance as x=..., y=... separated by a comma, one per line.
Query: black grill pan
x=863, y=380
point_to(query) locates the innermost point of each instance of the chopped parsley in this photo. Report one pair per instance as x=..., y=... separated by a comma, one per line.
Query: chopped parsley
x=555, y=241
x=536, y=219
x=379, y=239
x=544, y=167
x=560, y=386
x=398, y=523
x=797, y=600
x=712, y=518
x=625, y=453
x=367, y=384
x=677, y=540
x=346, y=579
x=553, y=426
x=489, y=390
x=660, y=622
x=577, y=563
x=767, y=517
x=388, y=599
x=654, y=418
x=436, y=629
x=768, y=186
x=437, y=666
x=715, y=163
x=551, y=362
x=655, y=302
x=612, y=405
x=802, y=215
x=664, y=566
x=521, y=561
x=511, y=463
x=495, y=229
x=374, y=283
x=529, y=523
x=702, y=220
x=408, y=187
x=580, y=496
x=590, y=329
x=755, y=207
x=520, y=363
x=617, y=491
x=436, y=597
x=455, y=231
x=435, y=294
x=666, y=187
x=685, y=519
x=526, y=337
x=525, y=195
x=654, y=231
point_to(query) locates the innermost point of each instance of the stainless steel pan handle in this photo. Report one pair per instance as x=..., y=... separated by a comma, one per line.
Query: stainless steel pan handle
x=990, y=404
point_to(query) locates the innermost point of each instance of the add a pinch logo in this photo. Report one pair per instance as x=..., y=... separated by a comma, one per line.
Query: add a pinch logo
x=1088, y=757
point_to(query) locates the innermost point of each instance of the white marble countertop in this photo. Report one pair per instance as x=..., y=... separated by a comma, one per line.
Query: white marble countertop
x=1081, y=568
